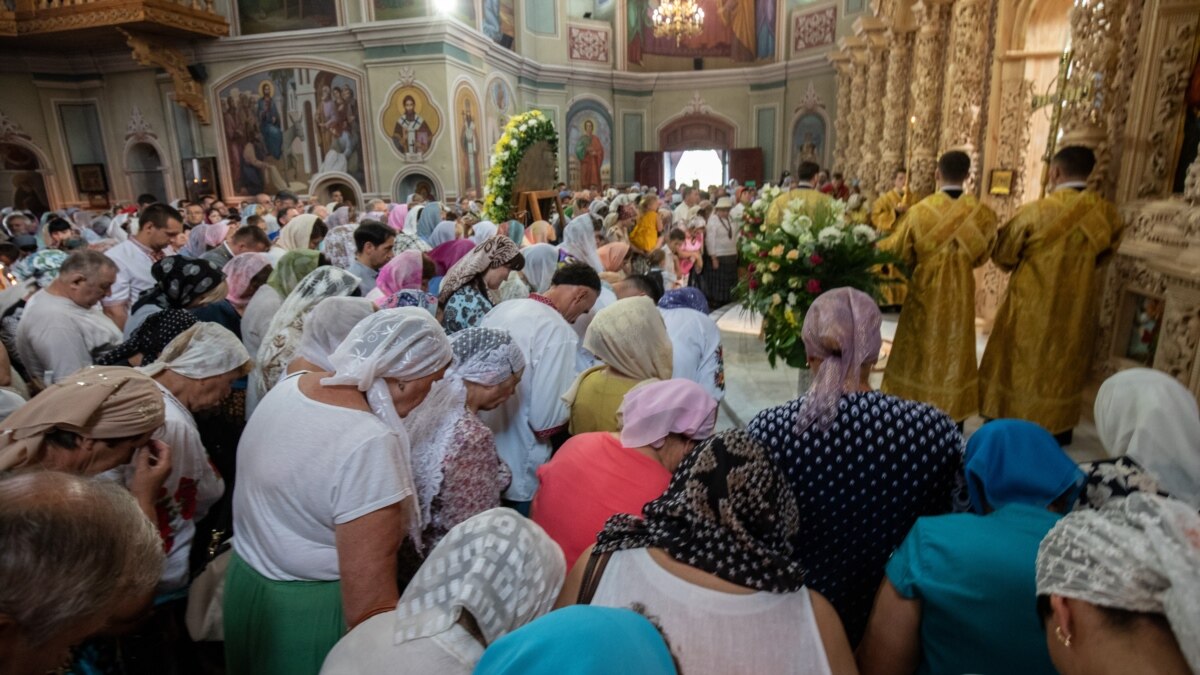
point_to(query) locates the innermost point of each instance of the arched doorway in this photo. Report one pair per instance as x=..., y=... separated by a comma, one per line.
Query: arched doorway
x=415, y=182
x=144, y=167
x=21, y=182
x=690, y=148
x=324, y=185
x=697, y=132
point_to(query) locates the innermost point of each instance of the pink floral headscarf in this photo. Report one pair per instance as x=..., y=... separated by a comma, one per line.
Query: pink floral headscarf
x=401, y=272
x=239, y=271
x=842, y=329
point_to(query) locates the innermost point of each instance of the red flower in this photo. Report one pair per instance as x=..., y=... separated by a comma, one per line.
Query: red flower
x=814, y=286
x=750, y=268
x=762, y=254
x=754, y=284
x=815, y=259
x=186, y=497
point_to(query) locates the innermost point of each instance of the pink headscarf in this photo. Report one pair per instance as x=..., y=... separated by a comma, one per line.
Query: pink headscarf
x=445, y=255
x=842, y=329
x=613, y=255
x=652, y=411
x=215, y=233
x=397, y=216
x=401, y=272
x=239, y=271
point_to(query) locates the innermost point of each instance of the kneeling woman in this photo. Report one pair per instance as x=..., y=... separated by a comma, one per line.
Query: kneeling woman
x=323, y=497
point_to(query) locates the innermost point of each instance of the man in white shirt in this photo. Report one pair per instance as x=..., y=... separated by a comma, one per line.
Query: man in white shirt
x=159, y=224
x=62, y=329
x=691, y=197
x=541, y=326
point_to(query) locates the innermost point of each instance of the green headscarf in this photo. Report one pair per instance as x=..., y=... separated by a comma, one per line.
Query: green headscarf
x=291, y=268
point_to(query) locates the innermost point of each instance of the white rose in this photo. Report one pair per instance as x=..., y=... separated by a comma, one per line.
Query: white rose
x=513, y=142
x=499, y=201
x=863, y=233
x=829, y=235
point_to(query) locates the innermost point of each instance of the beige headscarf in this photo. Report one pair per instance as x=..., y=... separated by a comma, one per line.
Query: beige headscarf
x=630, y=337
x=205, y=350
x=97, y=402
x=297, y=234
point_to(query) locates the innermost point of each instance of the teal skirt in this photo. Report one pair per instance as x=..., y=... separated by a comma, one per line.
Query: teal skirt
x=278, y=627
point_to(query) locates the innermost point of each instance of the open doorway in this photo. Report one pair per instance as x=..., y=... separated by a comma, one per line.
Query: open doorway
x=696, y=167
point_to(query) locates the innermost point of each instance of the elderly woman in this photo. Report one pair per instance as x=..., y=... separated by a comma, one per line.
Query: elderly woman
x=1150, y=425
x=712, y=560
x=316, y=547
x=696, y=348
x=266, y=301
x=1117, y=588
x=300, y=234
x=899, y=459
x=245, y=273
x=464, y=292
x=181, y=283
x=457, y=471
x=409, y=270
x=326, y=327
x=630, y=340
x=598, y=475
x=957, y=581
x=490, y=575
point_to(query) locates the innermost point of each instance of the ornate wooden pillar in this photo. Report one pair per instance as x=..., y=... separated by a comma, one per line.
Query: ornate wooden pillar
x=966, y=73
x=857, y=49
x=896, y=111
x=926, y=92
x=873, y=31
x=841, y=126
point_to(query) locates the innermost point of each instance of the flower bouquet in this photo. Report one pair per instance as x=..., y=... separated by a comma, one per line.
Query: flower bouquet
x=756, y=212
x=521, y=132
x=790, y=265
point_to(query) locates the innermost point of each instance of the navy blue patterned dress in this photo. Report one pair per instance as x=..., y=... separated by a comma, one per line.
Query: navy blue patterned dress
x=860, y=486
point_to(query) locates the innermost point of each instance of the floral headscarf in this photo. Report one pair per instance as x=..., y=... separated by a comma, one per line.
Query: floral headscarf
x=410, y=242
x=689, y=298
x=179, y=282
x=493, y=253
x=411, y=297
x=41, y=267
x=239, y=271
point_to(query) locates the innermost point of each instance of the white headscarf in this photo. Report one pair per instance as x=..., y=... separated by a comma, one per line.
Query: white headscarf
x=541, y=262
x=446, y=231
x=579, y=241
x=328, y=324
x=483, y=230
x=297, y=234
x=1152, y=418
x=502, y=568
x=1140, y=554
x=485, y=356
x=205, y=350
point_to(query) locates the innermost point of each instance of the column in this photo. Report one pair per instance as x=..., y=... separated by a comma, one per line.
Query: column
x=841, y=64
x=966, y=72
x=858, y=104
x=874, y=31
x=926, y=91
x=896, y=108
x=1096, y=50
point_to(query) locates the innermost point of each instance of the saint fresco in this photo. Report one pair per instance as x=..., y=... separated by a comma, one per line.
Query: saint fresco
x=500, y=106
x=469, y=135
x=411, y=122
x=808, y=140
x=589, y=147
x=741, y=30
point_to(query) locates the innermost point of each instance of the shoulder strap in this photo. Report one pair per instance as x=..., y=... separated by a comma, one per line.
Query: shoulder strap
x=591, y=577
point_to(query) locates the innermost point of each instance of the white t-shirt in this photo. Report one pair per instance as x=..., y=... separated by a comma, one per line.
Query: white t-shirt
x=695, y=348
x=303, y=468
x=716, y=633
x=56, y=334
x=133, y=273
x=720, y=237
x=549, y=346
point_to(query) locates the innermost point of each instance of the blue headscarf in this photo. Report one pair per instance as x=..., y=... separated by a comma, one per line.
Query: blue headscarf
x=428, y=221
x=581, y=640
x=1017, y=462
x=690, y=298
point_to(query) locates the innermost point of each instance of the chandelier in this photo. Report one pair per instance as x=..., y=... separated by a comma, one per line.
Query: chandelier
x=678, y=18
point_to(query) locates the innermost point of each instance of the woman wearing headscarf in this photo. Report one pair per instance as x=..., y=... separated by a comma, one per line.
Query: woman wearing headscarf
x=1118, y=588
x=406, y=270
x=541, y=262
x=540, y=232
x=455, y=465
x=330, y=322
x=900, y=458
x=316, y=547
x=148, y=341
x=1149, y=423
x=304, y=232
x=612, y=257
x=180, y=283
x=412, y=297
x=595, y=476
x=482, y=231
x=582, y=641
x=244, y=274
x=957, y=581
x=696, y=348
x=339, y=243
x=288, y=326
x=630, y=340
x=579, y=244
x=490, y=575
x=446, y=255
x=396, y=217
x=711, y=559
x=285, y=276
x=464, y=293
x=516, y=232
x=447, y=230
x=428, y=221
x=197, y=244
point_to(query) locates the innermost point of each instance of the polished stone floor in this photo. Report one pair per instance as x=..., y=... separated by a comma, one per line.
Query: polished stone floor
x=751, y=384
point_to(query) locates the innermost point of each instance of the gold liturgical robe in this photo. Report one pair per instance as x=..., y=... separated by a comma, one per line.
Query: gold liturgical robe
x=883, y=219
x=1038, y=355
x=810, y=198
x=942, y=240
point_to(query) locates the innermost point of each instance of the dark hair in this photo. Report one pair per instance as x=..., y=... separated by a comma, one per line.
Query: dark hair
x=159, y=215
x=319, y=230
x=253, y=221
x=899, y=171
x=1120, y=619
x=58, y=225
x=838, y=176
x=577, y=274
x=284, y=194
x=372, y=232
x=644, y=284
x=1075, y=160
x=146, y=198
x=516, y=263
x=954, y=166
x=676, y=234
x=10, y=250
x=428, y=267
x=252, y=234
x=807, y=171
x=282, y=213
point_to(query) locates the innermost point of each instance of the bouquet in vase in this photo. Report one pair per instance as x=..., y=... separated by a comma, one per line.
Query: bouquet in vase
x=811, y=251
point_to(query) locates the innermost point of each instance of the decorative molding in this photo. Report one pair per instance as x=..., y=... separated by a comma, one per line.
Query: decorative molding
x=1175, y=71
x=696, y=106
x=588, y=44
x=407, y=77
x=895, y=120
x=928, y=77
x=964, y=96
x=10, y=130
x=188, y=92
x=815, y=28
x=138, y=128
x=810, y=100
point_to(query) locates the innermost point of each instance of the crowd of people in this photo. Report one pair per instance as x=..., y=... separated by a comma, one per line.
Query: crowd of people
x=313, y=438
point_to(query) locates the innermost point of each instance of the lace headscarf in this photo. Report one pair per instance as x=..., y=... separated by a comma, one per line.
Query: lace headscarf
x=1140, y=553
x=493, y=253
x=239, y=272
x=179, y=282
x=205, y=350
x=630, y=337
x=41, y=267
x=728, y=511
x=842, y=329
x=428, y=221
x=401, y=272
x=291, y=269
x=655, y=410
x=484, y=356
x=328, y=325
x=541, y=262
x=689, y=298
x=283, y=335
x=447, y=230
x=339, y=217
x=502, y=568
x=482, y=231
x=410, y=242
x=579, y=242
x=1150, y=417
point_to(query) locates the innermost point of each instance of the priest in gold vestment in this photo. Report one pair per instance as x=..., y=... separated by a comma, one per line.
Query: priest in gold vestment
x=885, y=212
x=942, y=239
x=805, y=191
x=1037, y=357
